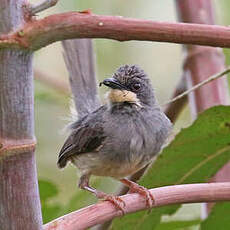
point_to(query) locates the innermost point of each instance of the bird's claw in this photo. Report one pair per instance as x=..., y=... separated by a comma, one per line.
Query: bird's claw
x=136, y=188
x=115, y=200
x=146, y=193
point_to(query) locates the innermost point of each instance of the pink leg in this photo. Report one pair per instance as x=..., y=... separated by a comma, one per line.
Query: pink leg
x=115, y=200
x=134, y=187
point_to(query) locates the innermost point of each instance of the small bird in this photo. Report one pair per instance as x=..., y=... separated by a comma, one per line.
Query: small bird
x=119, y=138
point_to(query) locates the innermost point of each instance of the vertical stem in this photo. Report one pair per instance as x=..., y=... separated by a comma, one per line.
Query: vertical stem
x=79, y=59
x=202, y=62
x=19, y=197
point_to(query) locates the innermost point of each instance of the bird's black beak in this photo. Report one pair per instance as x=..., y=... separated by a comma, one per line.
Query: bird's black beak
x=113, y=83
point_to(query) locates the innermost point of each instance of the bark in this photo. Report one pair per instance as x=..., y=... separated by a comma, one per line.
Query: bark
x=19, y=197
x=39, y=33
x=176, y=194
x=202, y=62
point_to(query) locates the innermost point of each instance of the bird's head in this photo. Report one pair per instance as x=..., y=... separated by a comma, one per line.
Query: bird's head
x=131, y=85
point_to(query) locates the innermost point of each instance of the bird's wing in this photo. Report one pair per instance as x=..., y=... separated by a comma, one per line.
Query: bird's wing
x=85, y=139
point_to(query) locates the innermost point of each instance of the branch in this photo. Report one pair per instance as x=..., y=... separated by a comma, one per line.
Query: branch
x=197, y=86
x=177, y=194
x=39, y=33
x=43, y=5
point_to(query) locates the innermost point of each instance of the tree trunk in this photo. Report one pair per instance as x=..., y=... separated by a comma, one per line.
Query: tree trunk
x=19, y=200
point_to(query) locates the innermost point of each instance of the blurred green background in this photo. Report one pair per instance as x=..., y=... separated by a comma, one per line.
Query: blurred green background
x=162, y=61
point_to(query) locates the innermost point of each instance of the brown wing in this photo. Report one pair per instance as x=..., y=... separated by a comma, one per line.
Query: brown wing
x=83, y=140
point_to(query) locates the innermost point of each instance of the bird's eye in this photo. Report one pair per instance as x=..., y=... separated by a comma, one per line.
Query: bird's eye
x=136, y=86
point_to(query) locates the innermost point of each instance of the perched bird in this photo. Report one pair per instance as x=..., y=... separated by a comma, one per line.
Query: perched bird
x=121, y=137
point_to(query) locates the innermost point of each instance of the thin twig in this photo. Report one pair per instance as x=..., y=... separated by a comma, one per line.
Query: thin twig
x=43, y=5
x=176, y=194
x=213, y=77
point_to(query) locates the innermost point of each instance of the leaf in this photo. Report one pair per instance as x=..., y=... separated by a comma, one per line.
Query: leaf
x=218, y=218
x=195, y=155
x=176, y=225
x=47, y=191
x=50, y=212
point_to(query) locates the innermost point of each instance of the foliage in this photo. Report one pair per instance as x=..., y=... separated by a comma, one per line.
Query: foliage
x=173, y=225
x=218, y=218
x=52, y=209
x=48, y=191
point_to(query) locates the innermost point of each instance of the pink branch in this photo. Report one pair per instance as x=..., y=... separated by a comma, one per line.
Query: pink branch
x=39, y=33
x=177, y=194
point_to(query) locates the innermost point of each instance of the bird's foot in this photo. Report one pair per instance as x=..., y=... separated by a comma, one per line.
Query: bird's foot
x=115, y=200
x=134, y=187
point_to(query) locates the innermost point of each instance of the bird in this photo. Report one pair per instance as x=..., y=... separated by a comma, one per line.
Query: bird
x=119, y=138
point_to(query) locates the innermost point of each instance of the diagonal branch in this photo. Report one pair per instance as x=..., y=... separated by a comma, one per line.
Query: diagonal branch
x=43, y=5
x=39, y=33
x=176, y=194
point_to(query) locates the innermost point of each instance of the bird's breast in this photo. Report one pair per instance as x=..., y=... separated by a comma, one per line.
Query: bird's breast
x=95, y=164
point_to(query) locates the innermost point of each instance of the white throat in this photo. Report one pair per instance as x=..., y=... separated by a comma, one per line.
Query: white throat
x=119, y=96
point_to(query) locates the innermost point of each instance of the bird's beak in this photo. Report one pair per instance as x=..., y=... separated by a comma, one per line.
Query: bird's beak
x=113, y=83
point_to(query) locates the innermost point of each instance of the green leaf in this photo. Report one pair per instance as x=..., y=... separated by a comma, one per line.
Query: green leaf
x=173, y=225
x=50, y=212
x=218, y=218
x=47, y=191
x=195, y=155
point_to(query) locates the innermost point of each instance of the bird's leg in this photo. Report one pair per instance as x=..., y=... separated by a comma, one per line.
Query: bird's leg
x=134, y=187
x=115, y=200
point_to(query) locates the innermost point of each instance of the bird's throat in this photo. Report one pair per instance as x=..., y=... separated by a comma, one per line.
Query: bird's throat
x=119, y=96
